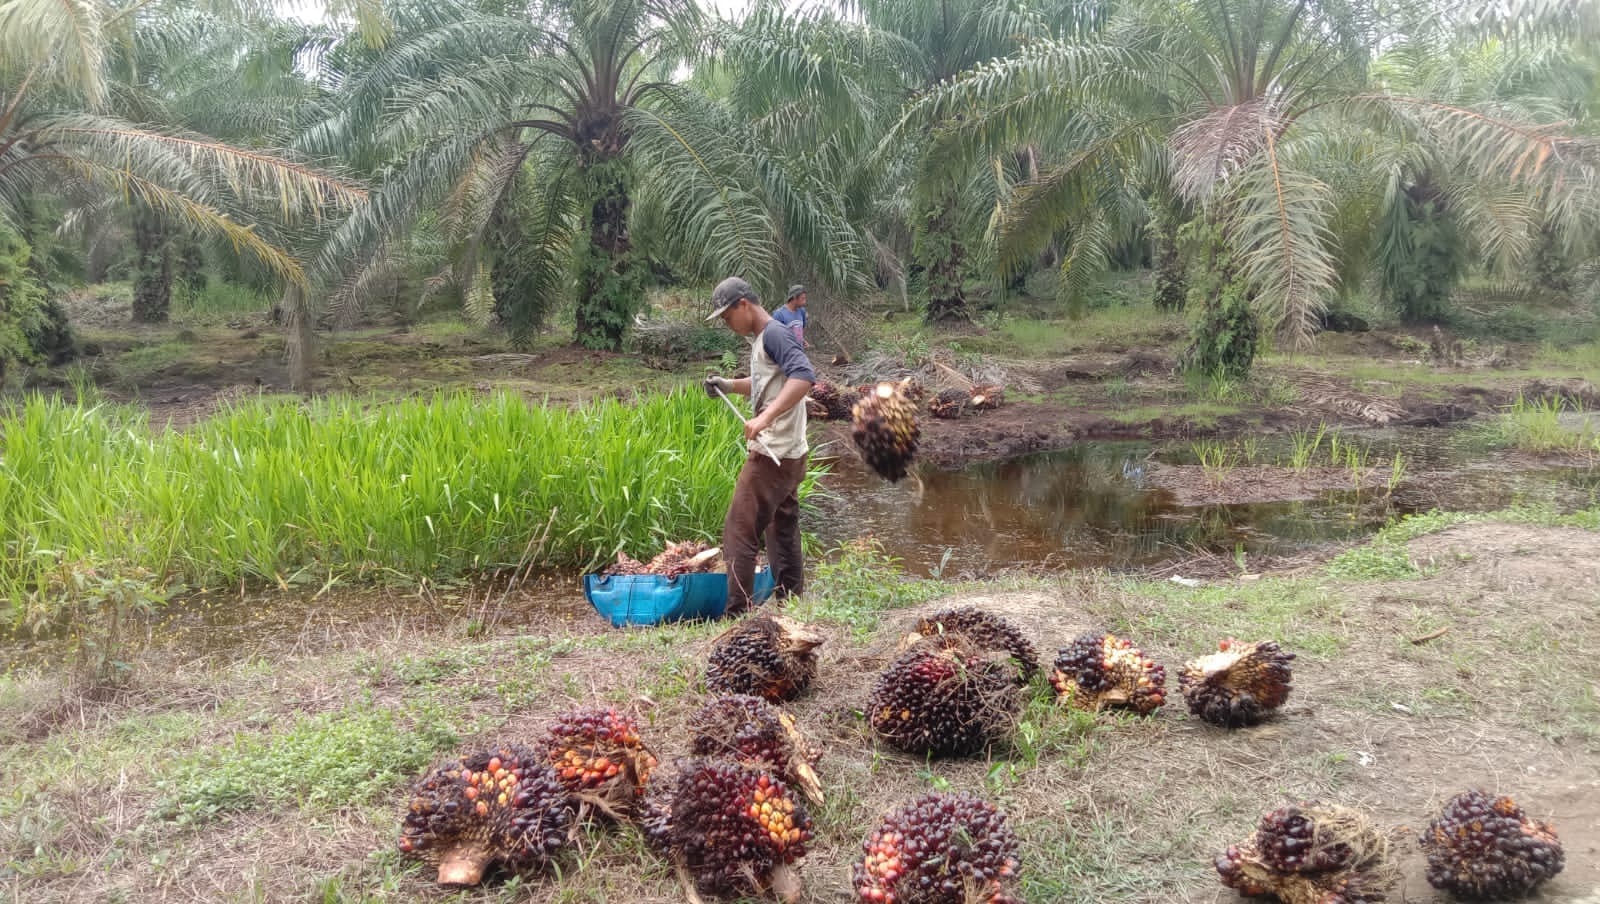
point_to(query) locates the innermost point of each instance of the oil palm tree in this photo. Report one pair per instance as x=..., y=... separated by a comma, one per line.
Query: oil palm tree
x=946, y=38
x=544, y=137
x=61, y=133
x=1261, y=114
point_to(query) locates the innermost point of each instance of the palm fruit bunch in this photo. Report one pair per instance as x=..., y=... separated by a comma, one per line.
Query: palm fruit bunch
x=1484, y=847
x=766, y=656
x=949, y=404
x=753, y=732
x=984, y=629
x=815, y=410
x=939, y=849
x=599, y=757
x=1311, y=853
x=1100, y=670
x=885, y=429
x=1238, y=685
x=505, y=807
x=987, y=397
x=949, y=699
x=836, y=401
x=687, y=557
x=729, y=828
x=625, y=564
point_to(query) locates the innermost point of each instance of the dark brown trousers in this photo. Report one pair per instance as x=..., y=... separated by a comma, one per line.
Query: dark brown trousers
x=766, y=503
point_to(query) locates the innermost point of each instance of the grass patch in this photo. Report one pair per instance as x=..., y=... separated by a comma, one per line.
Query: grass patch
x=1202, y=414
x=325, y=761
x=335, y=488
x=1548, y=425
x=1125, y=326
x=1299, y=614
x=857, y=585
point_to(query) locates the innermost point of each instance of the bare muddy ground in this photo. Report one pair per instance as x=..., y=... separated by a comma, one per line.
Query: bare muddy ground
x=1119, y=383
x=1480, y=671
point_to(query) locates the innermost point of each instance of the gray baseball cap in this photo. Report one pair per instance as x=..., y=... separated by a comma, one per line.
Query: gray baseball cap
x=794, y=291
x=727, y=292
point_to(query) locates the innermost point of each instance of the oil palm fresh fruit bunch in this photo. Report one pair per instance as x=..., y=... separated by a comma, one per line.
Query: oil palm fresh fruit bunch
x=505, y=807
x=1240, y=684
x=939, y=849
x=1312, y=853
x=1100, y=670
x=767, y=656
x=1483, y=848
x=884, y=427
x=729, y=829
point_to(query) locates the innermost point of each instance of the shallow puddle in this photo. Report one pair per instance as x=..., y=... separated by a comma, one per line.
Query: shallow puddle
x=1093, y=505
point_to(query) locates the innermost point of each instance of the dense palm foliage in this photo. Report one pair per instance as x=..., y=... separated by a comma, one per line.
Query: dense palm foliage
x=79, y=121
x=559, y=153
x=1267, y=120
x=544, y=157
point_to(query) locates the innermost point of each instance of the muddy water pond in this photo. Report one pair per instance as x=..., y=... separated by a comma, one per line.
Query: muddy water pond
x=1099, y=504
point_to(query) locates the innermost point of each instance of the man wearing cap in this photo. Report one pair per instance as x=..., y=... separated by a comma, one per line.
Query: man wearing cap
x=766, y=500
x=792, y=313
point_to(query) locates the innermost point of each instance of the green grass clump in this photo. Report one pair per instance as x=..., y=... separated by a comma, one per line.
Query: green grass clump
x=272, y=490
x=1536, y=426
x=329, y=760
x=859, y=583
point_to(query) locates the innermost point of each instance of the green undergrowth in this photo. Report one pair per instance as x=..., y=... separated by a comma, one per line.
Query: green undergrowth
x=859, y=583
x=1386, y=556
x=338, y=489
x=1300, y=614
x=322, y=761
x=1548, y=425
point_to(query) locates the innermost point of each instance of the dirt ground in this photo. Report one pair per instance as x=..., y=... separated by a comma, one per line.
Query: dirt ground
x=1480, y=673
x=1122, y=386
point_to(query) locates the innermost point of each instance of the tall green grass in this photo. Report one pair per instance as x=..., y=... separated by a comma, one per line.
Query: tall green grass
x=268, y=489
x=1536, y=425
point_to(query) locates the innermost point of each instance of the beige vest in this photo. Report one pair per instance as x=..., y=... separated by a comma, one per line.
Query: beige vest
x=787, y=435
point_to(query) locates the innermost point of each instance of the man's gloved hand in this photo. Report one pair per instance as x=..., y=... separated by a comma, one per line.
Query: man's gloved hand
x=716, y=384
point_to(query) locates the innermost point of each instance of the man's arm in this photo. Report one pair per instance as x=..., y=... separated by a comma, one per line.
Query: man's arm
x=740, y=386
x=794, y=390
x=782, y=347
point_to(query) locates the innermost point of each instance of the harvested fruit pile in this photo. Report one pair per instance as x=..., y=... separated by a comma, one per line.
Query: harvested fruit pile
x=687, y=557
x=731, y=814
x=833, y=401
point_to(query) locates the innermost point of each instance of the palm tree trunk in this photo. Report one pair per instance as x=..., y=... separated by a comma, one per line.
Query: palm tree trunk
x=943, y=256
x=152, y=285
x=609, y=285
x=1172, y=287
x=299, y=339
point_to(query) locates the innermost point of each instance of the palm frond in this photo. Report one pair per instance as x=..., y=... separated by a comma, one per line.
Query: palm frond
x=1208, y=149
x=297, y=189
x=62, y=37
x=182, y=207
x=718, y=225
x=1279, y=230
x=479, y=297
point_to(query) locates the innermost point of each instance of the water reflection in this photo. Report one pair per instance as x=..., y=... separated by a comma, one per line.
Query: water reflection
x=1089, y=506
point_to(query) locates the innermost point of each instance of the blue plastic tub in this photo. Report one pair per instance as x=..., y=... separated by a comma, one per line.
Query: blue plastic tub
x=650, y=599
